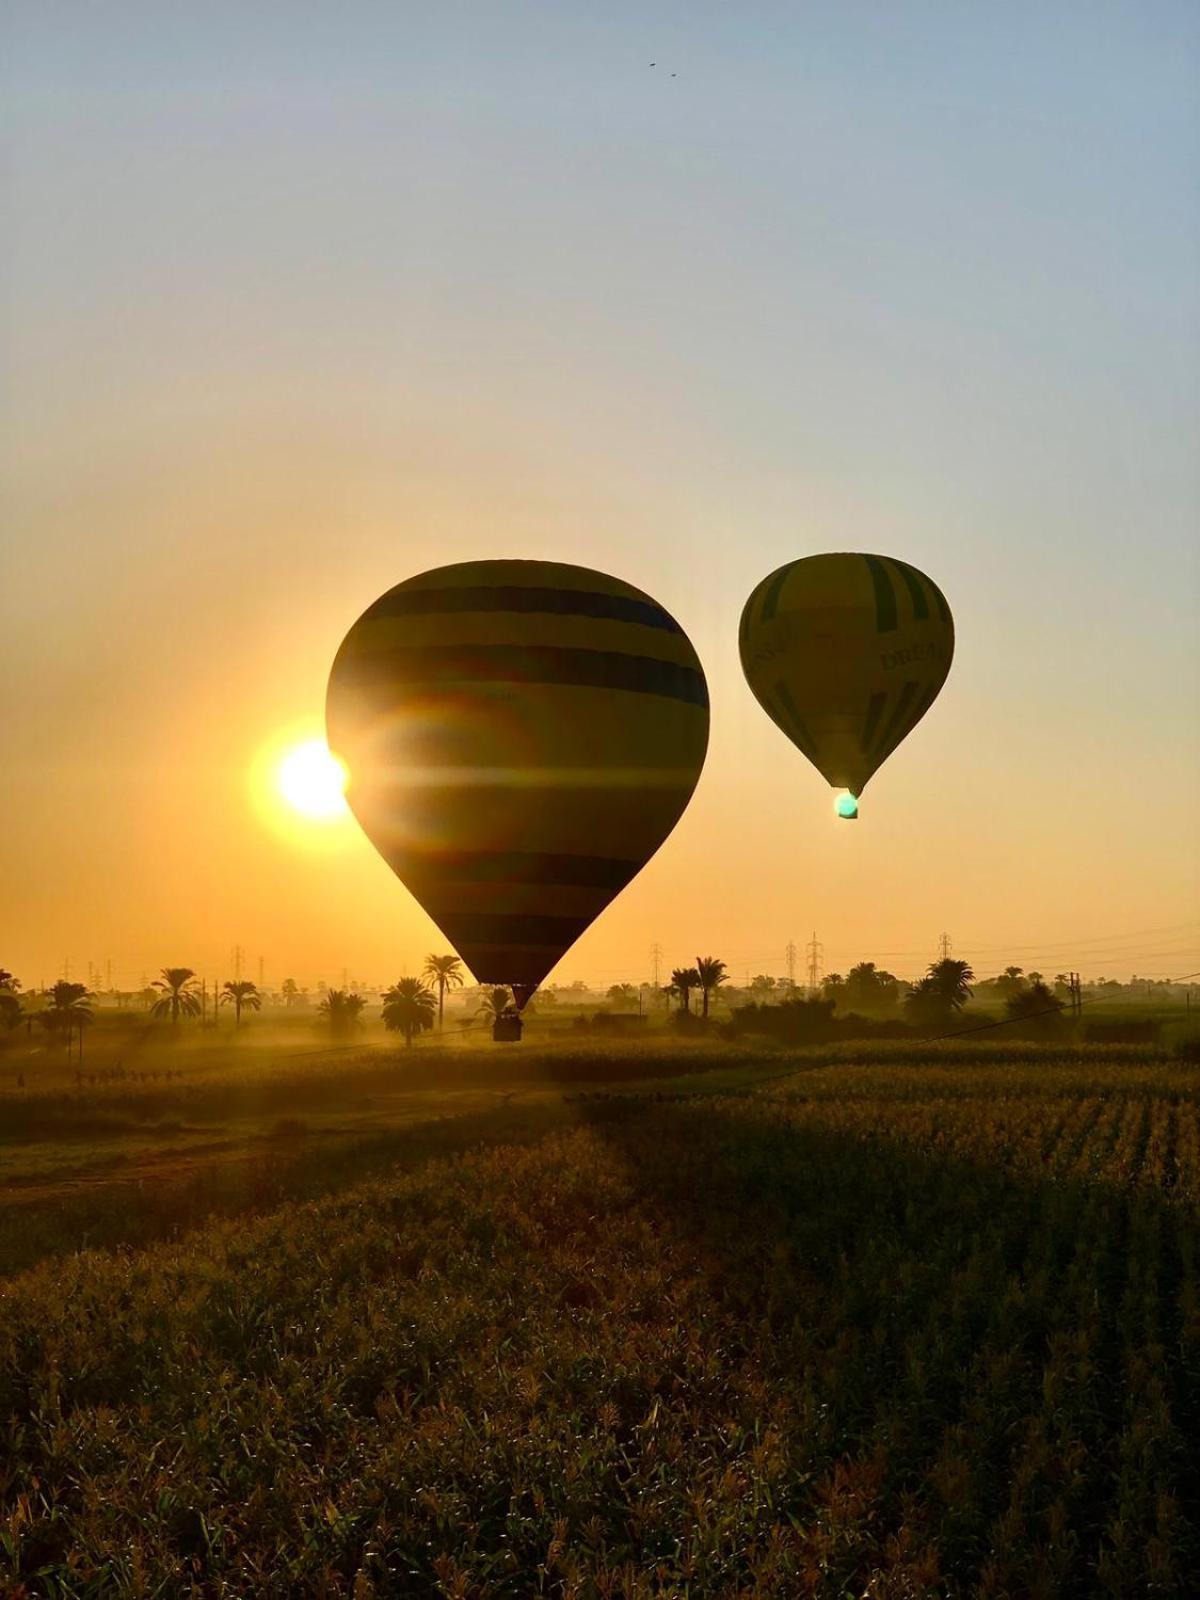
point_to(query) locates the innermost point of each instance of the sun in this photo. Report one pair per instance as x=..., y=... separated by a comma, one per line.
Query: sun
x=312, y=781
x=297, y=789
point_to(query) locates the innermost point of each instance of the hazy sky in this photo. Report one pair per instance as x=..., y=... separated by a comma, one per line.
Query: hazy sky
x=300, y=300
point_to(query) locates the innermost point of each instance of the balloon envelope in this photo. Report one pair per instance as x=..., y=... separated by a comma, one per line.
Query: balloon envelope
x=846, y=653
x=520, y=738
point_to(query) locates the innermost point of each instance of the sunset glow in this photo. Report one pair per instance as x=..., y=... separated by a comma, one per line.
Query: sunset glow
x=919, y=284
x=312, y=782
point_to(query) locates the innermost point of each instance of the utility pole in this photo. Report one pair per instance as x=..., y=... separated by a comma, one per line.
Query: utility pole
x=815, y=951
x=1076, y=993
x=656, y=961
x=944, y=947
x=790, y=953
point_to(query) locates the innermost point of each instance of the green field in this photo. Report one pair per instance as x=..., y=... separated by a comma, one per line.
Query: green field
x=644, y=1319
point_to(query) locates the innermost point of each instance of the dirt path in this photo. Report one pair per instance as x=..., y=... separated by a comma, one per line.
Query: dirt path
x=162, y=1167
x=170, y=1165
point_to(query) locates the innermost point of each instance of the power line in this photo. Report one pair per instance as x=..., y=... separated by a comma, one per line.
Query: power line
x=1024, y=946
x=1114, y=951
x=1030, y=950
x=1084, y=941
x=1046, y=1011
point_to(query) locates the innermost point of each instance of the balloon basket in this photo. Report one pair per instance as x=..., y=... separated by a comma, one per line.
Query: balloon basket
x=507, y=1029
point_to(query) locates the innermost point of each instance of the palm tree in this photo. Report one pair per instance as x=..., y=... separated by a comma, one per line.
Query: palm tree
x=952, y=981
x=290, y=990
x=341, y=1010
x=33, y=1004
x=1009, y=981
x=69, y=1009
x=10, y=1004
x=178, y=996
x=408, y=1006
x=669, y=992
x=1035, y=1003
x=684, y=980
x=710, y=973
x=923, y=1006
x=494, y=1004
x=446, y=972
x=10, y=1009
x=869, y=988
x=242, y=996
x=943, y=990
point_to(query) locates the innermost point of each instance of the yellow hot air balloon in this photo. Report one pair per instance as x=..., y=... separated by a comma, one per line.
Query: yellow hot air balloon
x=520, y=737
x=846, y=653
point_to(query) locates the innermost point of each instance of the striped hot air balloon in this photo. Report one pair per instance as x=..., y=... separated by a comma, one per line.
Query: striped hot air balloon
x=846, y=653
x=520, y=737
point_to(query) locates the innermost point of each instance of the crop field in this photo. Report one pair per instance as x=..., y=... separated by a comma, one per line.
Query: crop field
x=700, y=1322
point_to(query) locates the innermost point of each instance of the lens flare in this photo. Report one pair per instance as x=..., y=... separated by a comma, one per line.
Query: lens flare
x=313, y=782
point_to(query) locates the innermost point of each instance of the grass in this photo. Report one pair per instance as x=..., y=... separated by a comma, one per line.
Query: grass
x=128, y=1163
x=778, y=1326
x=242, y=1126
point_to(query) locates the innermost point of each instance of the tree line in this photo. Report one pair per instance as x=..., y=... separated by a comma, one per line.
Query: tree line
x=411, y=1006
x=65, y=1010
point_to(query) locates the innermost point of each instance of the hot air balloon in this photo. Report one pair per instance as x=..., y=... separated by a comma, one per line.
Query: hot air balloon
x=520, y=737
x=846, y=653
